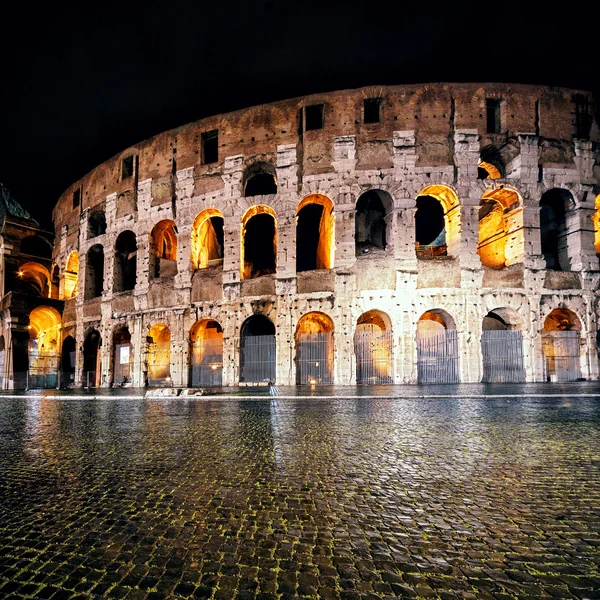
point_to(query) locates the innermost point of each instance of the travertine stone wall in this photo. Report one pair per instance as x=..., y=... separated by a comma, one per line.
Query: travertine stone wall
x=428, y=135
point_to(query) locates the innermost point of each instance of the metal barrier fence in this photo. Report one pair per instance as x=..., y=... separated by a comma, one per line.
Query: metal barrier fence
x=206, y=363
x=437, y=356
x=562, y=355
x=502, y=352
x=374, y=357
x=314, y=358
x=258, y=354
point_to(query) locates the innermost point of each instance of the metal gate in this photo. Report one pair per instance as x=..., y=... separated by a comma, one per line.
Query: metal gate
x=437, y=356
x=257, y=358
x=43, y=371
x=123, y=363
x=562, y=355
x=314, y=358
x=502, y=352
x=373, y=350
x=206, y=363
x=159, y=363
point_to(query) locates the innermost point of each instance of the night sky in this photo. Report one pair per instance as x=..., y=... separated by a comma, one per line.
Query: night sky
x=80, y=83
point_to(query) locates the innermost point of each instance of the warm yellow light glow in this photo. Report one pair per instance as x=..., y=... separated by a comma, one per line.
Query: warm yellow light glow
x=326, y=244
x=451, y=206
x=36, y=275
x=596, y=221
x=71, y=276
x=159, y=352
x=258, y=209
x=205, y=248
x=491, y=170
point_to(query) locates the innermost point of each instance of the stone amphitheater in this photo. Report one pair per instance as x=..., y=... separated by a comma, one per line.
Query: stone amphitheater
x=392, y=234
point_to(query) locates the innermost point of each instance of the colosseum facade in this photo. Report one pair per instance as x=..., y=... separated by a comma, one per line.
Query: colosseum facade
x=389, y=234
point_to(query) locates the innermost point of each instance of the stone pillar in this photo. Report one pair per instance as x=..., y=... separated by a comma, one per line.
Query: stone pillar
x=345, y=359
x=178, y=342
x=466, y=253
x=581, y=237
x=404, y=233
x=469, y=340
x=231, y=337
x=345, y=211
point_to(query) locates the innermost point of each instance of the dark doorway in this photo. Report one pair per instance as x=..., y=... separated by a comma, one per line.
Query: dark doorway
x=91, y=372
x=68, y=362
x=259, y=246
x=258, y=350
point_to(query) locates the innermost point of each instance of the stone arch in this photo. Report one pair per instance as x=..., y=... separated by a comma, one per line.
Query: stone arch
x=501, y=237
x=437, y=221
x=437, y=348
x=259, y=180
x=371, y=223
x=207, y=239
x=122, y=356
x=561, y=345
x=257, y=350
x=125, y=267
x=314, y=349
x=163, y=249
x=206, y=354
x=71, y=276
x=94, y=272
x=158, y=355
x=315, y=233
x=44, y=347
x=34, y=280
x=373, y=348
x=96, y=224
x=596, y=221
x=68, y=361
x=258, y=242
x=55, y=283
x=91, y=358
x=555, y=204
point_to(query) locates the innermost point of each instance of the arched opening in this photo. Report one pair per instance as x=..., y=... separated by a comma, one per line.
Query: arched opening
x=122, y=356
x=55, y=285
x=437, y=222
x=257, y=350
x=71, y=276
x=44, y=347
x=34, y=280
x=207, y=239
x=94, y=272
x=370, y=223
x=36, y=246
x=373, y=345
x=314, y=349
x=259, y=242
x=554, y=205
x=561, y=345
x=437, y=348
x=206, y=354
x=158, y=356
x=2, y=362
x=68, y=357
x=596, y=221
x=124, y=276
x=315, y=234
x=91, y=359
x=501, y=240
x=259, y=180
x=502, y=347
x=163, y=250
x=96, y=224
x=488, y=170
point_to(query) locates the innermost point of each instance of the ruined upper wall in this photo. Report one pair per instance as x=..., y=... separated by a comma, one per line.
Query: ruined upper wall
x=433, y=111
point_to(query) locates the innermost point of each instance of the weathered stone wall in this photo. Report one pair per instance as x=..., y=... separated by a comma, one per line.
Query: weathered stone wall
x=429, y=135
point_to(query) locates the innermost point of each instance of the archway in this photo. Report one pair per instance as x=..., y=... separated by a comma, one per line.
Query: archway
x=206, y=354
x=158, y=356
x=68, y=358
x=124, y=276
x=373, y=345
x=91, y=359
x=314, y=349
x=259, y=242
x=163, y=250
x=596, y=221
x=370, y=223
x=437, y=222
x=34, y=280
x=207, y=239
x=554, y=205
x=94, y=272
x=561, y=345
x=259, y=180
x=501, y=239
x=2, y=361
x=257, y=350
x=122, y=356
x=502, y=347
x=43, y=348
x=96, y=224
x=71, y=276
x=437, y=348
x=315, y=233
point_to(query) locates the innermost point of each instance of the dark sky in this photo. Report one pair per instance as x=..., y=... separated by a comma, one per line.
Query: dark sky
x=82, y=82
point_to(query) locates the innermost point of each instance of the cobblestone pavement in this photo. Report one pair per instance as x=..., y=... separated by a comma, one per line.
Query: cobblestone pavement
x=280, y=499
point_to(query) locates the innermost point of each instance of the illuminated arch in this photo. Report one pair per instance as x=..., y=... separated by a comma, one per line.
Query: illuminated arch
x=315, y=233
x=258, y=242
x=163, y=249
x=501, y=237
x=437, y=348
x=562, y=319
x=34, y=279
x=71, y=275
x=373, y=348
x=596, y=221
x=502, y=318
x=561, y=345
x=206, y=353
x=207, y=239
x=436, y=319
x=487, y=170
x=158, y=356
x=437, y=226
x=314, y=349
x=373, y=209
x=44, y=343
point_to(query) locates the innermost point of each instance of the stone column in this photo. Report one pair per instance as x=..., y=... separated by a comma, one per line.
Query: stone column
x=178, y=342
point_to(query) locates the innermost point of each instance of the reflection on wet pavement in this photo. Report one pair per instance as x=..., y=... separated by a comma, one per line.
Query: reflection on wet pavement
x=331, y=498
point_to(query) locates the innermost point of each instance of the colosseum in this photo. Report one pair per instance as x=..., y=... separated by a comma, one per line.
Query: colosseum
x=435, y=233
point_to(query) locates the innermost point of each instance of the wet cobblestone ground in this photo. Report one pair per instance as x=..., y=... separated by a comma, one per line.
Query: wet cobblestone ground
x=344, y=498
